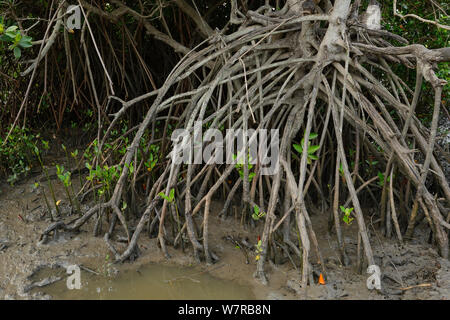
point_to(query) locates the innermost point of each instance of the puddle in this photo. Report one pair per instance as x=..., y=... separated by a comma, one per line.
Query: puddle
x=152, y=282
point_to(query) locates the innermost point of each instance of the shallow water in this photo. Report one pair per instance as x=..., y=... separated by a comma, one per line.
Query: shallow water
x=152, y=282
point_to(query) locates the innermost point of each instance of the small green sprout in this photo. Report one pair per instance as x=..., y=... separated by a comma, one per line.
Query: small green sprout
x=169, y=198
x=347, y=218
x=311, y=148
x=240, y=167
x=257, y=213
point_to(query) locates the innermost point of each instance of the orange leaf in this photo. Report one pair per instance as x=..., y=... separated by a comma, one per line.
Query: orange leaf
x=321, y=280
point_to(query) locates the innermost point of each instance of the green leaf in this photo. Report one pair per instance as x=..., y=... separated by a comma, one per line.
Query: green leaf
x=313, y=135
x=171, y=194
x=311, y=156
x=45, y=144
x=342, y=208
x=313, y=149
x=162, y=195
x=256, y=209
x=25, y=42
x=17, y=52
x=17, y=38
x=11, y=32
x=59, y=169
x=12, y=28
x=298, y=148
x=381, y=178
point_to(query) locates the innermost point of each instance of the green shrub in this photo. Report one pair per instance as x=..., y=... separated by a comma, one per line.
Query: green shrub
x=16, y=155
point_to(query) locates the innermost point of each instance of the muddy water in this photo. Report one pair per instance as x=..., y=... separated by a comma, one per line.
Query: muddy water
x=152, y=282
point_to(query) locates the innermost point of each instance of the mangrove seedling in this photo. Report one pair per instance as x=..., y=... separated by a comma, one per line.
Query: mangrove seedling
x=311, y=148
x=381, y=179
x=257, y=213
x=153, y=157
x=36, y=186
x=171, y=199
x=347, y=212
x=259, y=250
x=240, y=167
x=65, y=178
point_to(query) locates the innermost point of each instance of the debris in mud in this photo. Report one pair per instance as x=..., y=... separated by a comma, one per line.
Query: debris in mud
x=443, y=279
x=42, y=283
x=332, y=290
x=411, y=271
x=275, y=296
x=4, y=244
x=40, y=296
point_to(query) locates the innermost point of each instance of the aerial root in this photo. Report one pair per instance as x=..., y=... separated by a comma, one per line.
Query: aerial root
x=314, y=83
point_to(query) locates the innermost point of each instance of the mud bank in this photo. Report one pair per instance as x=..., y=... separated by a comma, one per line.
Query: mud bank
x=411, y=271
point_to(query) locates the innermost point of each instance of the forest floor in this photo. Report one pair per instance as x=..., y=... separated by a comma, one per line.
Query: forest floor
x=22, y=220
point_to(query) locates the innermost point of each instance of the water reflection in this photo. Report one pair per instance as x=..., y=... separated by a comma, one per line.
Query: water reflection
x=152, y=282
